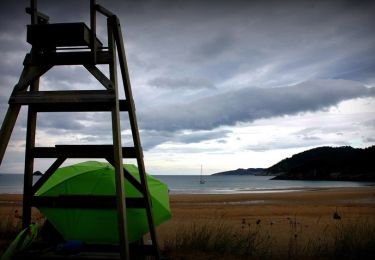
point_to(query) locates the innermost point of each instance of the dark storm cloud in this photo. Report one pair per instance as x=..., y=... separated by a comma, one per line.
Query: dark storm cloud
x=13, y=17
x=213, y=47
x=370, y=123
x=99, y=123
x=152, y=138
x=63, y=11
x=70, y=77
x=59, y=121
x=181, y=83
x=200, y=136
x=218, y=39
x=249, y=104
x=288, y=143
x=218, y=47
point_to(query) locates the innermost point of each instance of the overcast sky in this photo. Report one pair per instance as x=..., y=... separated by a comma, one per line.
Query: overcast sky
x=226, y=84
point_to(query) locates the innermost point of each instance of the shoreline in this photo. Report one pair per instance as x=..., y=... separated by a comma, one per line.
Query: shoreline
x=362, y=195
x=304, y=196
x=266, y=191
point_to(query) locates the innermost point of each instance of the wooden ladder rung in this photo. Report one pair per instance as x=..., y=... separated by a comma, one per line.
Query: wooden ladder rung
x=67, y=58
x=81, y=151
x=85, y=201
x=144, y=250
x=68, y=101
x=74, y=96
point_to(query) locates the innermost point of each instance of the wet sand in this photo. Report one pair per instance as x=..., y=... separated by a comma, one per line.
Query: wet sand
x=349, y=202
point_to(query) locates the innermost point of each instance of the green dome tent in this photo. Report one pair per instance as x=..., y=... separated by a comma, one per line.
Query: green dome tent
x=100, y=226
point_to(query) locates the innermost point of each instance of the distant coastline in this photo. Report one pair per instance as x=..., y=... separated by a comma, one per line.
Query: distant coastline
x=240, y=171
x=323, y=163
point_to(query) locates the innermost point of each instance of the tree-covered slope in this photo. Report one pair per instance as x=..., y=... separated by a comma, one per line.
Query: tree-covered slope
x=328, y=163
x=250, y=171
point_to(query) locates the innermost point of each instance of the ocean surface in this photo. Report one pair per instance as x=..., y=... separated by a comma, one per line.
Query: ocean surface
x=190, y=184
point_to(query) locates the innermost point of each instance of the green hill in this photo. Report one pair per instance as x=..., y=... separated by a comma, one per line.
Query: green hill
x=240, y=171
x=328, y=163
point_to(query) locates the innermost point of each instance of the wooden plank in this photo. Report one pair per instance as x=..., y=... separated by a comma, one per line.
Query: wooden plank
x=10, y=121
x=134, y=127
x=42, y=18
x=93, y=44
x=133, y=181
x=7, y=128
x=78, y=107
x=144, y=250
x=67, y=58
x=103, y=11
x=80, y=151
x=60, y=35
x=29, y=74
x=117, y=153
x=84, y=202
x=33, y=11
x=63, y=97
x=29, y=161
x=99, y=75
x=48, y=174
x=68, y=101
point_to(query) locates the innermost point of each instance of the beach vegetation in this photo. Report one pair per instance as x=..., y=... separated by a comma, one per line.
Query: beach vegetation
x=207, y=239
x=354, y=240
x=252, y=238
x=10, y=225
x=219, y=237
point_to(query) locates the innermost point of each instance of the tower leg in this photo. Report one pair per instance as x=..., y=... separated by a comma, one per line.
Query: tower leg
x=117, y=158
x=29, y=162
x=135, y=131
x=120, y=190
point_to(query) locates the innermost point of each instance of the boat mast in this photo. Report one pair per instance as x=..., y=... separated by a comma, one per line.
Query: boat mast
x=202, y=181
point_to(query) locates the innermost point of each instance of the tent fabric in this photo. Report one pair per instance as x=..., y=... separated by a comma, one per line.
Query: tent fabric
x=100, y=226
x=23, y=240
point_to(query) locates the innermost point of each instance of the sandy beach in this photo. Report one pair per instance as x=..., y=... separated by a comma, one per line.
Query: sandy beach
x=279, y=216
x=307, y=205
x=307, y=212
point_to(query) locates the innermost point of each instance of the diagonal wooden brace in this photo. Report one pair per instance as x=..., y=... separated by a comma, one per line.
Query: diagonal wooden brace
x=7, y=128
x=29, y=74
x=99, y=76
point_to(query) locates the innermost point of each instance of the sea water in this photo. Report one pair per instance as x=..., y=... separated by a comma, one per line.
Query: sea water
x=13, y=183
x=214, y=184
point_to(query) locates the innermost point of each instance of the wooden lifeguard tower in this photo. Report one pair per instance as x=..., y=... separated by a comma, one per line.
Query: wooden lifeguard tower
x=77, y=44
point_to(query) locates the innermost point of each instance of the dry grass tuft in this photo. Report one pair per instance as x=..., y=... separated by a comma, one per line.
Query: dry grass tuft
x=216, y=239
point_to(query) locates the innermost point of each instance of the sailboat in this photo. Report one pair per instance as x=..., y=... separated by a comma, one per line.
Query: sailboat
x=202, y=181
